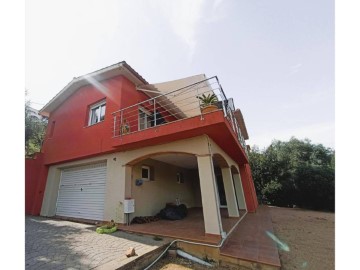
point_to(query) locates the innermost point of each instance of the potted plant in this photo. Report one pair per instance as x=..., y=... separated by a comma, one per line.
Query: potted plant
x=125, y=128
x=109, y=227
x=208, y=103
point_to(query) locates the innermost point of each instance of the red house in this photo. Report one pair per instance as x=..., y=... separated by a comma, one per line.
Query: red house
x=117, y=147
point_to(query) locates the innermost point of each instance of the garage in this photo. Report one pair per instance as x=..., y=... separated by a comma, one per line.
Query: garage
x=82, y=192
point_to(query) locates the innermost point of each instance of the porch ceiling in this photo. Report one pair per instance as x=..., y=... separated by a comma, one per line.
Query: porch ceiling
x=180, y=160
x=187, y=161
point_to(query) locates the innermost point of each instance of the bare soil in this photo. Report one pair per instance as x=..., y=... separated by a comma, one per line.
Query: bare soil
x=310, y=236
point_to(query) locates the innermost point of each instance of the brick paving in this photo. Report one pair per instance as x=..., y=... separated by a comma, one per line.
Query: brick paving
x=250, y=241
x=57, y=244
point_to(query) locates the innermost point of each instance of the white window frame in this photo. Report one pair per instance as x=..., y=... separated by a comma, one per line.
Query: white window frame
x=99, y=104
x=146, y=121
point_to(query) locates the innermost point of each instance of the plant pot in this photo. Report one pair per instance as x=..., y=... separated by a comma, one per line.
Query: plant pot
x=105, y=229
x=209, y=108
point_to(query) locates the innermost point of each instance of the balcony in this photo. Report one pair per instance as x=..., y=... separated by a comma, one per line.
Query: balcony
x=178, y=114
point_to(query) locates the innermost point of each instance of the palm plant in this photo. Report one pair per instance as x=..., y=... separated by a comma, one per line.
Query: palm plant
x=207, y=100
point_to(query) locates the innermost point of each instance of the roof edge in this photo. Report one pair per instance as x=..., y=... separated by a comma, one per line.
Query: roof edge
x=77, y=82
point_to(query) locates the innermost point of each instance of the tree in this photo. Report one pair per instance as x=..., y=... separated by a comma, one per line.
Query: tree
x=295, y=172
x=34, y=131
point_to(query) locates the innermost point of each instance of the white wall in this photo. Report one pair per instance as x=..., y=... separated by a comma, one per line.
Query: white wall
x=152, y=196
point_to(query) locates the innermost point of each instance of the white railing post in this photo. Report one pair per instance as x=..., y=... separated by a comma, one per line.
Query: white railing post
x=223, y=106
x=121, y=122
x=154, y=112
x=197, y=96
x=114, y=126
x=232, y=120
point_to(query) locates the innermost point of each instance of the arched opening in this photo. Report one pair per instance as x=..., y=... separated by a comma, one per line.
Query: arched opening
x=219, y=163
x=173, y=179
x=234, y=170
x=239, y=191
x=226, y=191
x=163, y=179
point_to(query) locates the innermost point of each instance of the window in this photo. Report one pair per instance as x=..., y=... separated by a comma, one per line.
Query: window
x=97, y=113
x=144, y=119
x=145, y=173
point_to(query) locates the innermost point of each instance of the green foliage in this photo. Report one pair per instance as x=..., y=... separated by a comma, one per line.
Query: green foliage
x=34, y=132
x=295, y=173
x=207, y=100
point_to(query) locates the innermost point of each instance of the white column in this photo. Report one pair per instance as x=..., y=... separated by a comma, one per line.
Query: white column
x=239, y=191
x=212, y=218
x=230, y=192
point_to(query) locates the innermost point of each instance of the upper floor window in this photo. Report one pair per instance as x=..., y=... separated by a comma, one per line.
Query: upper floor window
x=97, y=113
x=144, y=119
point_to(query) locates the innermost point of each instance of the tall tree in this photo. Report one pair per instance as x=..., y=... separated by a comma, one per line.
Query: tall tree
x=295, y=172
x=34, y=130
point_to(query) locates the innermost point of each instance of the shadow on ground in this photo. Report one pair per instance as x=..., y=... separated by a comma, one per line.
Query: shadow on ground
x=59, y=244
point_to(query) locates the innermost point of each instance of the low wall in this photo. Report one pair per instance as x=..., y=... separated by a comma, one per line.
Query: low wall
x=35, y=180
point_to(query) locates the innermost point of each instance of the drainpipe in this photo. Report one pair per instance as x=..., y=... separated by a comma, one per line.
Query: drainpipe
x=192, y=258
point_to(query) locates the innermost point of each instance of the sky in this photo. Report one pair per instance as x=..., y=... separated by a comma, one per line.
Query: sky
x=274, y=58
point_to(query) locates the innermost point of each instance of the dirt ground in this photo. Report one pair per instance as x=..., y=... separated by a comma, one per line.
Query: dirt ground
x=310, y=236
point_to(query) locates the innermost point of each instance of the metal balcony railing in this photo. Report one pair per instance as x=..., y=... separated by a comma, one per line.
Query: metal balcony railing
x=175, y=105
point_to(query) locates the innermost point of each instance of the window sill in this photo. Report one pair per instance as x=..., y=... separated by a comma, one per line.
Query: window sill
x=94, y=124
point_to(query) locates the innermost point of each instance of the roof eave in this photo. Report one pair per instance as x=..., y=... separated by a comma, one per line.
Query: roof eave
x=121, y=68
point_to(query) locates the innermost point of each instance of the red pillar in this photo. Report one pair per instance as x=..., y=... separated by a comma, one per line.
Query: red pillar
x=249, y=188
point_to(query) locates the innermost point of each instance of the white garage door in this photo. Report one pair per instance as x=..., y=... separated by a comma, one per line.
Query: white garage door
x=82, y=192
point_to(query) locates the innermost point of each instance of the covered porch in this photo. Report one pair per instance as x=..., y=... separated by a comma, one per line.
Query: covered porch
x=205, y=180
x=191, y=228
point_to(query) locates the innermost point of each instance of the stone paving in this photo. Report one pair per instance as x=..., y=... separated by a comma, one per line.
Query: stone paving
x=57, y=244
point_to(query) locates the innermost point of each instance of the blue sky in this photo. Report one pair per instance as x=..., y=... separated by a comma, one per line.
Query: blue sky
x=275, y=58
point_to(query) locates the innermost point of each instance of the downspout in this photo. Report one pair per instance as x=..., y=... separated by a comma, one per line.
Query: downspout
x=192, y=258
x=223, y=235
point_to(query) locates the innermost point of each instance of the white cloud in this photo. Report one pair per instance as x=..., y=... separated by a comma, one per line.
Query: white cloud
x=323, y=133
x=184, y=17
x=216, y=4
x=295, y=68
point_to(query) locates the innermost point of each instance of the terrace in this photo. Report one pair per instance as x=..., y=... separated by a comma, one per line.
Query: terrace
x=174, y=110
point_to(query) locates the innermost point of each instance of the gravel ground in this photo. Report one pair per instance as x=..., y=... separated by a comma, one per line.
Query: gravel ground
x=310, y=236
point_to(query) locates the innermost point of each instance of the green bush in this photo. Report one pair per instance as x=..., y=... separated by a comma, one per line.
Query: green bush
x=295, y=173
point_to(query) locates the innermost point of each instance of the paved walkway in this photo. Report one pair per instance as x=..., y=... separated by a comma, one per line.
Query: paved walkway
x=56, y=244
x=251, y=240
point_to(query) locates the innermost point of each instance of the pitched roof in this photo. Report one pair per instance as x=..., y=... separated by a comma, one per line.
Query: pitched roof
x=121, y=68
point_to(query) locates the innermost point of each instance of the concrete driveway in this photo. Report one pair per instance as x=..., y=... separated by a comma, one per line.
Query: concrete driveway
x=56, y=244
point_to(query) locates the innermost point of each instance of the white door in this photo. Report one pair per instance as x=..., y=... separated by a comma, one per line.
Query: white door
x=82, y=192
